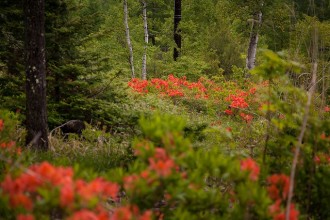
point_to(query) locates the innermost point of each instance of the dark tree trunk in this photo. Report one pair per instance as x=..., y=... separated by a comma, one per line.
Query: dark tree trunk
x=36, y=114
x=177, y=34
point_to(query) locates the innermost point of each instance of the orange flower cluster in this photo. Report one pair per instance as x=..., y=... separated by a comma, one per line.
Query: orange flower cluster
x=24, y=190
x=160, y=164
x=129, y=213
x=251, y=166
x=327, y=109
x=324, y=137
x=278, y=186
x=171, y=87
x=10, y=147
x=86, y=214
x=1, y=124
x=138, y=85
x=278, y=190
x=25, y=217
x=246, y=117
x=202, y=89
x=239, y=101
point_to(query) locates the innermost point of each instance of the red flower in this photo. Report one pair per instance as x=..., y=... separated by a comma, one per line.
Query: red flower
x=317, y=160
x=110, y=189
x=278, y=183
x=83, y=214
x=250, y=165
x=276, y=207
x=124, y=213
x=294, y=214
x=161, y=163
x=228, y=111
x=327, y=109
x=238, y=101
x=138, y=85
x=97, y=188
x=54, y=175
x=129, y=181
x=22, y=200
x=162, y=167
x=145, y=174
x=67, y=195
x=173, y=93
x=147, y=215
x=252, y=90
x=129, y=213
x=1, y=124
x=29, y=182
x=273, y=192
x=248, y=118
x=25, y=217
x=160, y=153
x=323, y=136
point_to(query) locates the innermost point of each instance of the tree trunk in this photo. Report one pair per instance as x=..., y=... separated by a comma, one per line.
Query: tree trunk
x=177, y=35
x=128, y=39
x=252, y=50
x=36, y=114
x=146, y=40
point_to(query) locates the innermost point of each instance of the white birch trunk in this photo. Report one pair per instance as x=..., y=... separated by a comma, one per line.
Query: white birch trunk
x=146, y=40
x=252, y=50
x=128, y=38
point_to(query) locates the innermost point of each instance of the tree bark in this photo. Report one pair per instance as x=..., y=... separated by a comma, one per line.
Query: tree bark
x=252, y=50
x=177, y=34
x=146, y=41
x=128, y=39
x=36, y=114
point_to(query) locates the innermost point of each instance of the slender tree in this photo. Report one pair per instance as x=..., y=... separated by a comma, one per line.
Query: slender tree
x=36, y=114
x=146, y=40
x=177, y=35
x=128, y=39
x=252, y=50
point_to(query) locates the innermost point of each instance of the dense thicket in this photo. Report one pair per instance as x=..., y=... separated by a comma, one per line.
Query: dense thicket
x=239, y=72
x=87, y=53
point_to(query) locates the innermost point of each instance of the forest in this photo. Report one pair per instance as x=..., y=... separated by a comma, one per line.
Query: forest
x=164, y=109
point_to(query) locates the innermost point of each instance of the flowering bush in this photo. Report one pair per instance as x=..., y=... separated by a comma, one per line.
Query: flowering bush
x=204, y=89
x=45, y=187
x=167, y=180
x=172, y=179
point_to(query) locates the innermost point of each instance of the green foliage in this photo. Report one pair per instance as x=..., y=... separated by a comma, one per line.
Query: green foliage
x=10, y=130
x=96, y=150
x=284, y=123
x=87, y=73
x=201, y=186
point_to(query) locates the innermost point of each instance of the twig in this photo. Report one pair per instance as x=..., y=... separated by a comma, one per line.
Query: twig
x=51, y=132
x=268, y=124
x=300, y=139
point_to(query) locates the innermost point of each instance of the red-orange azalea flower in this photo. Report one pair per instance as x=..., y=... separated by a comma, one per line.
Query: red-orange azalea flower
x=250, y=165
